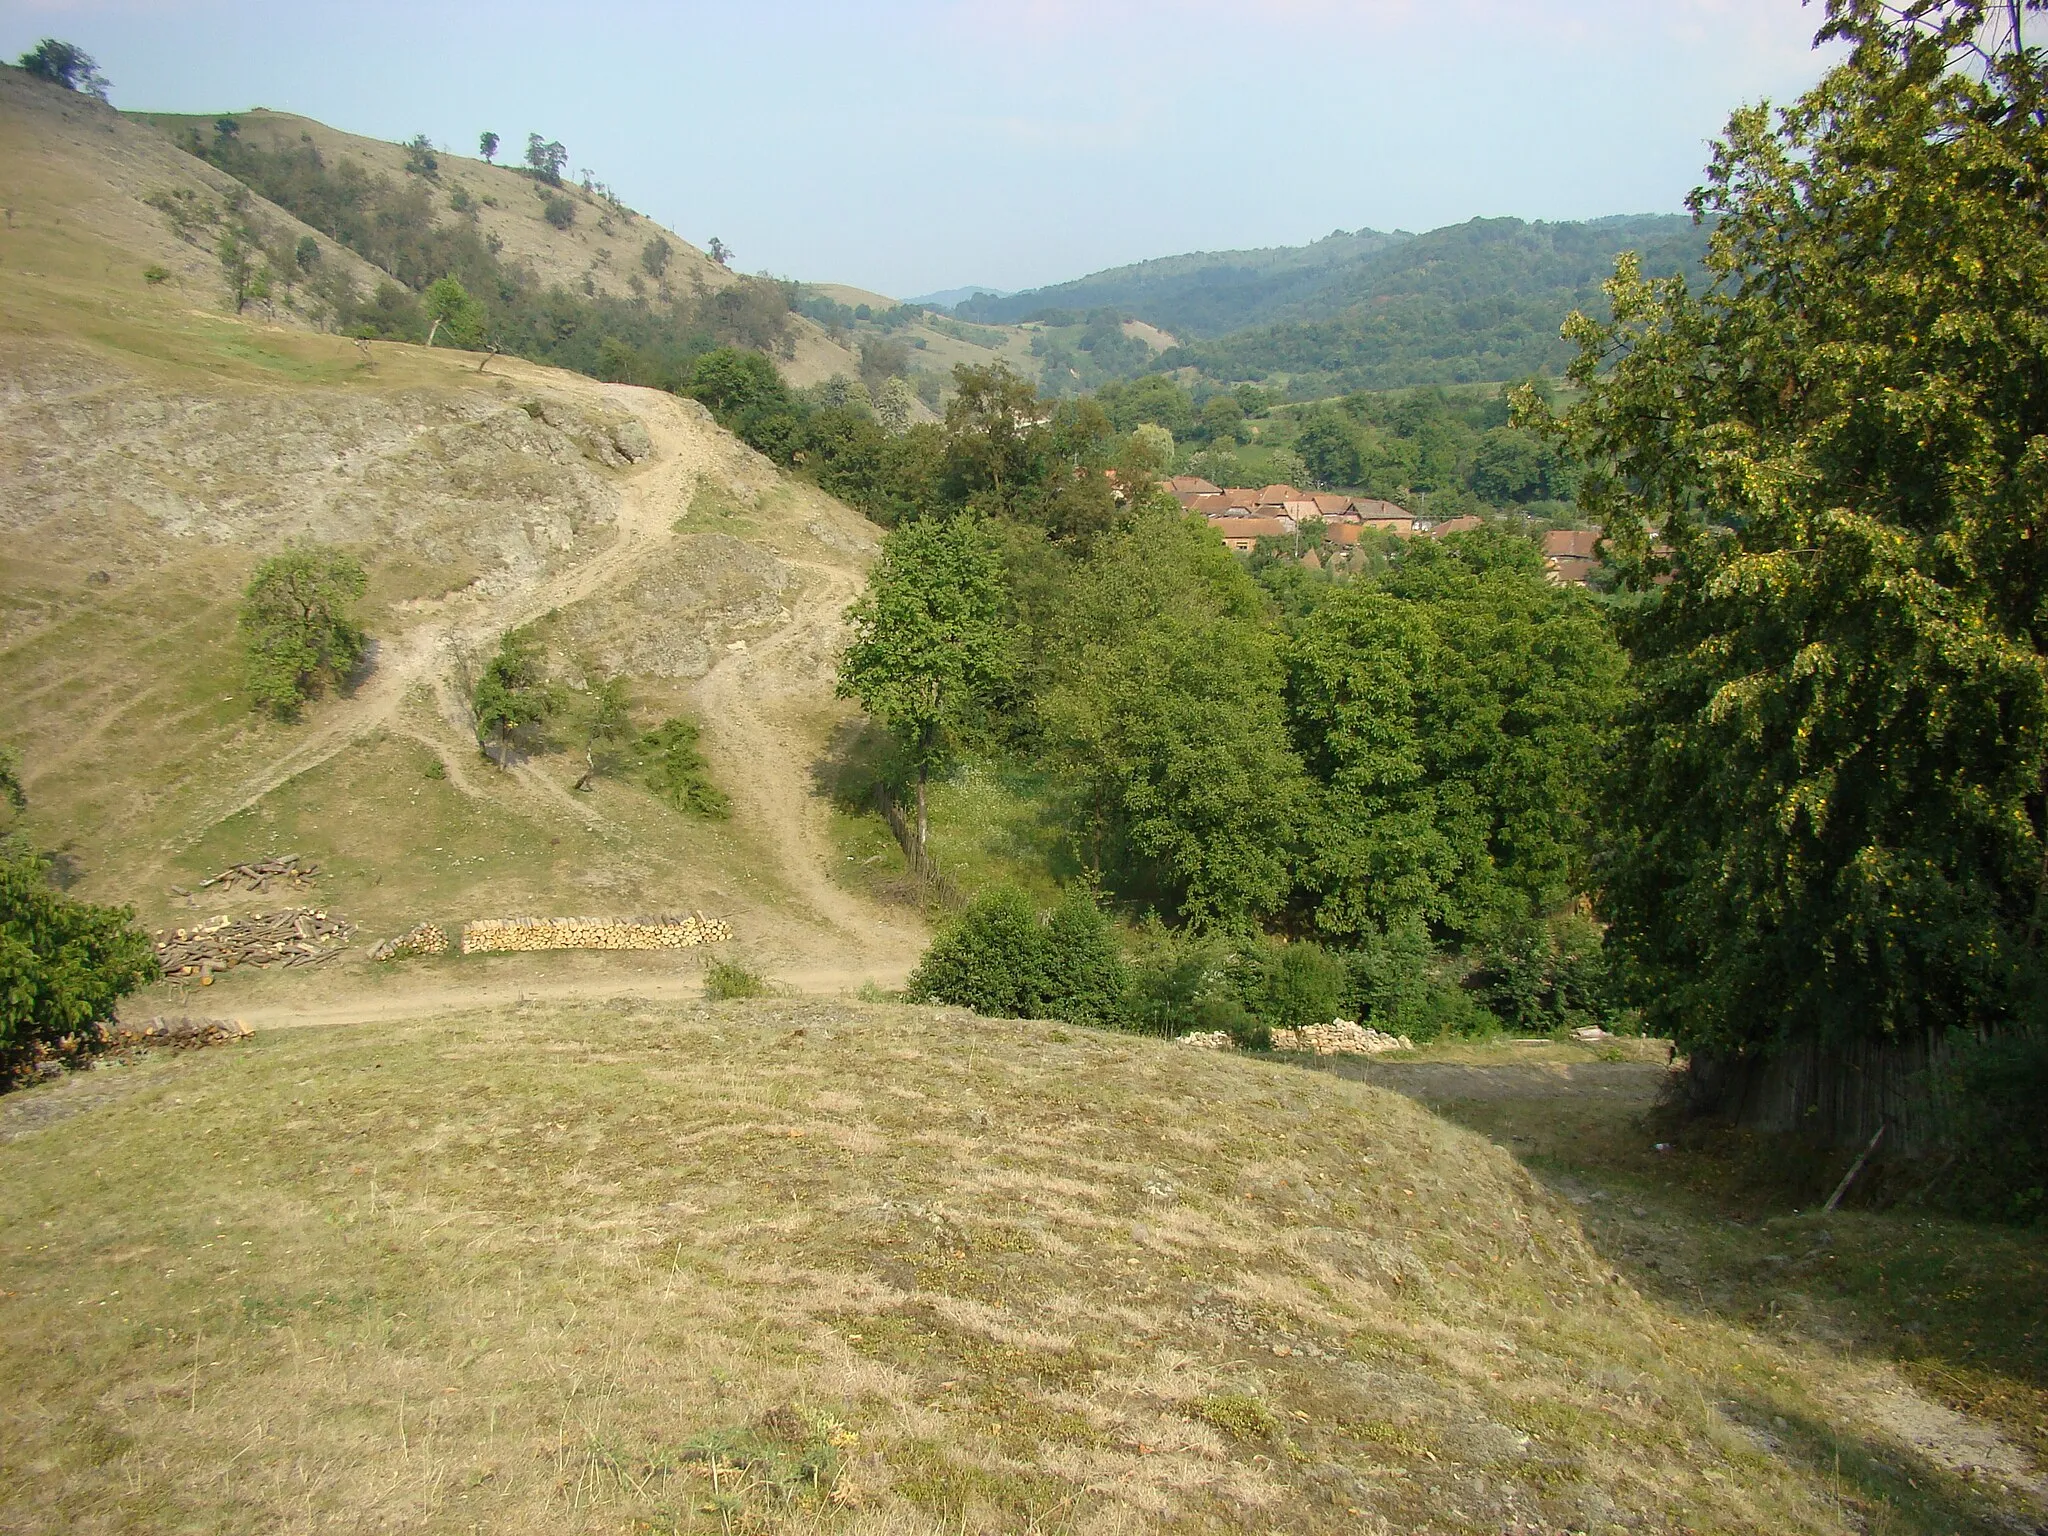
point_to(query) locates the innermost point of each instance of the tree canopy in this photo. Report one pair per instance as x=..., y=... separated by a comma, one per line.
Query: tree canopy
x=298, y=632
x=1827, y=810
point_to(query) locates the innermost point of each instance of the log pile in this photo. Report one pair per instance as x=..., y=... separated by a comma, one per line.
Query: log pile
x=180, y=1034
x=1339, y=1037
x=502, y=935
x=301, y=936
x=420, y=939
x=285, y=869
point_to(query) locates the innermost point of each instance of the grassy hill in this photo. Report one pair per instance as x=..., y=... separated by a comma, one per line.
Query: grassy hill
x=816, y=1267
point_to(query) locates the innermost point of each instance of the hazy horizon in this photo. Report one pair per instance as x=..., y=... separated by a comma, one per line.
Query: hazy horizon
x=926, y=145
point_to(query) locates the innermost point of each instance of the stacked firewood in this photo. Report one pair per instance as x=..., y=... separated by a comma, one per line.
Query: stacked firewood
x=420, y=939
x=502, y=934
x=180, y=1034
x=302, y=936
x=285, y=869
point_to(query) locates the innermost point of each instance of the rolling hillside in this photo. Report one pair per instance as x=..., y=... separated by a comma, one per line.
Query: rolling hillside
x=156, y=447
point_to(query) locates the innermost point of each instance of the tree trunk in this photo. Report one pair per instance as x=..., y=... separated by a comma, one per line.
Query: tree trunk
x=923, y=822
x=433, y=329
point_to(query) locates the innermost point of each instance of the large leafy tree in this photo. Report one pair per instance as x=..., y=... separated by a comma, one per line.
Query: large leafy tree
x=1828, y=805
x=66, y=64
x=1453, y=716
x=298, y=630
x=1164, y=694
x=930, y=644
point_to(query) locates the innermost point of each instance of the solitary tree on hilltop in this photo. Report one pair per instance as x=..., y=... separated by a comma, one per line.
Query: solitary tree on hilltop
x=929, y=639
x=546, y=157
x=487, y=146
x=66, y=64
x=720, y=252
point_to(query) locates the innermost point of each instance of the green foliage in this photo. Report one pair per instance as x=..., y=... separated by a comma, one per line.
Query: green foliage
x=672, y=766
x=10, y=779
x=66, y=64
x=928, y=645
x=487, y=146
x=511, y=698
x=1988, y=1095
x=420, y=159
x=306, y=254
x=1826, y=812
x=1396, y=981
x=1005, y=959
x=726, y=979
x=654, y=257
x=559, y=211
x=1453, y=715
x=1285, y=986
x=63, y=965
x=298, y=635
x=1163, y=699
x=545, y=159
x=1539, y=977
x=156, y=273
x=447, y=304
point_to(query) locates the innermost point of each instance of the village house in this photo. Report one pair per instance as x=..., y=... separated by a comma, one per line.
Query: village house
x=1280, y=510
x=1570, y=555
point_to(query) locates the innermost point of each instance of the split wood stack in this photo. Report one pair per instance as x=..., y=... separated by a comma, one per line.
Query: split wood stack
x=1339, y=1037
x=420, y=939
x=501, y=935
x=285, y=868
x=302, y=936
x=181, y=1034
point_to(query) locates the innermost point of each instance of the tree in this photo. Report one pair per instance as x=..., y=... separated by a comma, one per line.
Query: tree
x=1454, y=715
x=306, y=254
x=487, y=146
x=298, y=635
x=1163, y=699
x=1328, y=446
x=545, y=159
x=1829, y=806
x=1005, y=959
x=929, y=640
x=607, y=732
x=68, y=65
x=719, y=252
x=63, y=965
x=654, y=256
x=996, y=439
x=237, y=252
x=420, y=159
x=10, y=779
x=448, y=305
x=511, y=696
x=559, y=211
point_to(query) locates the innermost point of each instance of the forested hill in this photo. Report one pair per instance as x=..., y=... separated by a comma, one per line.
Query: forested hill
x=1205, y=293
x=1474, y=301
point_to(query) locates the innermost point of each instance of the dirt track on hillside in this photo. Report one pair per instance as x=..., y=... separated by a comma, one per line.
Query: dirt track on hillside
x=751, y=702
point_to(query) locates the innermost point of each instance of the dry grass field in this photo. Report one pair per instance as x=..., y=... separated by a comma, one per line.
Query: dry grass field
x=803, y=1265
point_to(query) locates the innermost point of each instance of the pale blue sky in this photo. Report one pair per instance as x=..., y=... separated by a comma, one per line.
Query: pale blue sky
x=911, y=145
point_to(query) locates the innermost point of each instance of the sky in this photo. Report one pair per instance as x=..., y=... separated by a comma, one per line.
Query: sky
x=906, y=146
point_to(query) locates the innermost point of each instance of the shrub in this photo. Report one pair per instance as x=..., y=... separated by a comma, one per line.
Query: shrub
x=153, y=274
x=560, y=212
x=298, y=635
x=729, y=978
x=674, y=769
x=1289, y=985
x=1545, y=976
x=63, y=966
x=1988, y=1099
x=1004, y=958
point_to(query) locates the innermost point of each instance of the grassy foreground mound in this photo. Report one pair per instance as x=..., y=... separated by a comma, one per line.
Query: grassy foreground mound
x=803, y=1266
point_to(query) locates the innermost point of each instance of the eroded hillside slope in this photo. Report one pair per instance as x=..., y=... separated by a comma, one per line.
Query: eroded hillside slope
x=151, y=452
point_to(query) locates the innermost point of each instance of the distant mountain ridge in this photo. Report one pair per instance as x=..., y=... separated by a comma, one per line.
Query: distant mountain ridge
x=1481, y=300
x=946, y=298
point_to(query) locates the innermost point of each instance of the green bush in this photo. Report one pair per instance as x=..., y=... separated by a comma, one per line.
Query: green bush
x=1289, y=985
x=674, y=769
x=1540, y=977
x=1005, y=958
x=729, y=978
x=63, y=965
x=1988, y=1100
x=560, y=212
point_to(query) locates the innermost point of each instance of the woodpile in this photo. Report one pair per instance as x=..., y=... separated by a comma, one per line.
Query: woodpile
x=503, y=935
x=1339, y=1037
x=181, y=1034
x=284, y=869
x=420, y=939
x=301, y=936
